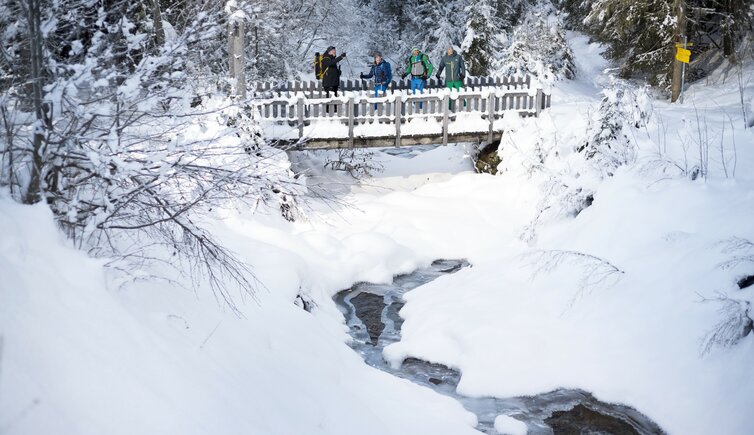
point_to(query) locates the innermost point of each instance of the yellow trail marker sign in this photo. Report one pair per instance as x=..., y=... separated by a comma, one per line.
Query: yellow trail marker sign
x=683, y=55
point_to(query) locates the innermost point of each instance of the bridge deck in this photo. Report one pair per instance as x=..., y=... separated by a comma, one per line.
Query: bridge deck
x=358, y=120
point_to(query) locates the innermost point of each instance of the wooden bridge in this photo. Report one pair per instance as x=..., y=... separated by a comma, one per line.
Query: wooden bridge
x=299, y=115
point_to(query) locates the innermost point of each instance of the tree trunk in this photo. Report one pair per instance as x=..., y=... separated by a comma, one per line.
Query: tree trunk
x=35, y=48
x=679, y=7
x=728, y=26
x=159, y=31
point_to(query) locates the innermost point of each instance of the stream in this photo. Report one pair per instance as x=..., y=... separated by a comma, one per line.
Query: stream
x=371, y=313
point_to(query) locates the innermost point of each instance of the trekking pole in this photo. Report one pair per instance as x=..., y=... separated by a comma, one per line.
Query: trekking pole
x=349, y=66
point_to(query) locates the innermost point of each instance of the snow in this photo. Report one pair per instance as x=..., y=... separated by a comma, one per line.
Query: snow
x=421, y=126
x=80, y=359
x=81, y=355
x=468, y=122
x=374, y=129
x=510, y=426
x=326, y=129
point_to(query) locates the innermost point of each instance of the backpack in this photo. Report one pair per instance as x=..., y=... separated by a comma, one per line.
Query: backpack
x=319, y=72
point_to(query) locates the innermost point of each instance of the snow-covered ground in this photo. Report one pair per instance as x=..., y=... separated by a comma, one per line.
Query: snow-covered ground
x=81, y=356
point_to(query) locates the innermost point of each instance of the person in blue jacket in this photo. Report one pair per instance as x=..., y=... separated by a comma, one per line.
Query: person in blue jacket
x=382, y=73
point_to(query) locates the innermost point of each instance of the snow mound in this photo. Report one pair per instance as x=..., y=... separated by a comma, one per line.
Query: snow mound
x=510, y=426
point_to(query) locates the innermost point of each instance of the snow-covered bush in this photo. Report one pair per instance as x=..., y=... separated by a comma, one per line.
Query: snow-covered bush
x=736, y=323
x=358, y=163
x=608, y=145
x=533, y=149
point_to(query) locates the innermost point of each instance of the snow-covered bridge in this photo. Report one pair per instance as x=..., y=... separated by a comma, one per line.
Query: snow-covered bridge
x=298, y=115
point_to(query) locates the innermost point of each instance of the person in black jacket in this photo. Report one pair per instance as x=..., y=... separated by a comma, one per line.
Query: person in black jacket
x=331, y=76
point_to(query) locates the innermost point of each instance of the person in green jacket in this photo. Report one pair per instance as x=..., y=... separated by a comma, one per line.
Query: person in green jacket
x=455, y=69
x=419, y=67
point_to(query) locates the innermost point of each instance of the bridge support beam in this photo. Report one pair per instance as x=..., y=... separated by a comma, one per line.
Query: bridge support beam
x=237, y=64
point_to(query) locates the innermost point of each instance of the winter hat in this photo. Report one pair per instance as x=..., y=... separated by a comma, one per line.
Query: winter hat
x=329, y=49
x=415, y=49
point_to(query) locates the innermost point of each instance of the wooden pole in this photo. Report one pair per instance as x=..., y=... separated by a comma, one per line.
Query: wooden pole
x=491, y=116
x=538, y=102
x=397, y=110
x=236, y=51
x=350, y=121
x=300, y=108
x=679, y=6
x=445, y=110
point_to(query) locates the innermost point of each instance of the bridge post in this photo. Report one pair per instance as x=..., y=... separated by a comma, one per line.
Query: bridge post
x=350, y=121
x=397, y=109
x=491, y=116
x=538, y=102
x=445, y=110
x=236, y=51
x=300, y=108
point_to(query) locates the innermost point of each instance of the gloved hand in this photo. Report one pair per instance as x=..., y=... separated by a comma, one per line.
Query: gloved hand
x=463, y=77
x=403, y=76
x=361, y=76
x=343, y=54
x=424, y=76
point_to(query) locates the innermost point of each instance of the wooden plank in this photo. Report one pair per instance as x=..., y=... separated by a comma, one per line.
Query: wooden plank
x=491, y=117
x=380, y=142
x=350, y=122
x=398, y=110
x=445, y=110
x=300, y=105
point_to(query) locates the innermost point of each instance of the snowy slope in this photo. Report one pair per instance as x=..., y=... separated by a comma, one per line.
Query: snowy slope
x=79, y=359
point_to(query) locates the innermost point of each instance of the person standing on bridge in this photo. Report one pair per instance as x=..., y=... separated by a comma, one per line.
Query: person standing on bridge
x=382, y=73
x=419, y=67
x=331, y=71
x=455, y=70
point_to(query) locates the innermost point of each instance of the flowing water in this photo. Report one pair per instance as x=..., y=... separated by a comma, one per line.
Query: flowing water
x=371, y=312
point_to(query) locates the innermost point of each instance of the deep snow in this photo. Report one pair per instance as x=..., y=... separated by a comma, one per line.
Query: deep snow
x=81, y=356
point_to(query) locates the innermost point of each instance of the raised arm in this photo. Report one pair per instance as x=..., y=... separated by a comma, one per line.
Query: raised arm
x=370, y=75
x=328, y=62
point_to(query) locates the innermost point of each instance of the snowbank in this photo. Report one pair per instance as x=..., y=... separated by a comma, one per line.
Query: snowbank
x=78, y=358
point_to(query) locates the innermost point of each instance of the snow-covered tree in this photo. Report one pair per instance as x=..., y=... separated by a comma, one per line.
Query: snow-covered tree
x=129, y=144
x=480, y=43
x=640, y=34
x=538, y=47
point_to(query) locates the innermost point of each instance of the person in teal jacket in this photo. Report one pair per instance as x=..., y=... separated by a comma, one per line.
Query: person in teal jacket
x=455, y=69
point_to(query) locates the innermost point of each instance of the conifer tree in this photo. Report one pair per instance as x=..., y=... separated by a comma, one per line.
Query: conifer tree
x=480, y=43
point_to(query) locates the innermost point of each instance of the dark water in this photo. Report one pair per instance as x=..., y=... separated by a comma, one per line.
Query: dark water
x=371, y=312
